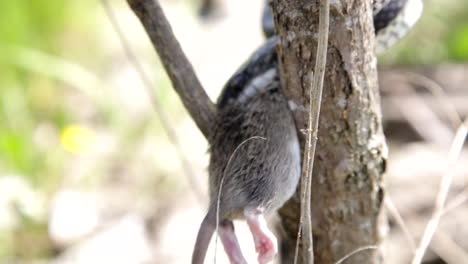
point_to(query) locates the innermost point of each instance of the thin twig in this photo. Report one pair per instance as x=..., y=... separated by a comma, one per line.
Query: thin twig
x=422, y=117
x=460, y=199
x=397, y=216
x=163, y=116
x=444, y=187
x=448, y=250
x=450, y=111
x=218, y=199
x=355, y=252
x=180, y=71
x=315, y=94
x=439, y=93
x=445, y=102
x=440, y=132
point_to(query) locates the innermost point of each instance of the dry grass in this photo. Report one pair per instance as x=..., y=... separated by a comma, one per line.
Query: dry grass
x=443, y=249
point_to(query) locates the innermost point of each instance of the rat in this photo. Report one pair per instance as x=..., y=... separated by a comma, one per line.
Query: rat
x=255, y=158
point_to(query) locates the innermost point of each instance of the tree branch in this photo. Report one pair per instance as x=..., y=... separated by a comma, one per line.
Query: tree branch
x=176, y=64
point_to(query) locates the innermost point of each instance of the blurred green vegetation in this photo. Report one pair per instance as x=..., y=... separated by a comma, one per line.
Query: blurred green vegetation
x=31, y=90
x=30, y=98
x=440, y=36
x=48, y=50
x=50, y=68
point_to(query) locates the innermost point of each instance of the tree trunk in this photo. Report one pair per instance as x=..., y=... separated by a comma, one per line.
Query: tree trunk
x=347, y=192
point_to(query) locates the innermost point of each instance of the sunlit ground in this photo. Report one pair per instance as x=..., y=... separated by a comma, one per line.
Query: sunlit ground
x=87, y=171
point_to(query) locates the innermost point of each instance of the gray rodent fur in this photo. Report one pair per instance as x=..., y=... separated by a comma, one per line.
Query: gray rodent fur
x=247, y=171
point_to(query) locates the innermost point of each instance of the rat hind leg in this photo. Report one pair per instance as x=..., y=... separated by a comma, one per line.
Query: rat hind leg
x=230, y=243
x=265, y=242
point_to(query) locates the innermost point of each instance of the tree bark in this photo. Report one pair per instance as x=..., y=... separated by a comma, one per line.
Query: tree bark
x=347, y=190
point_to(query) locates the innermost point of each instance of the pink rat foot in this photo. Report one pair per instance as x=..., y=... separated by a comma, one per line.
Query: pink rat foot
x=265, y=241
x=266, y=249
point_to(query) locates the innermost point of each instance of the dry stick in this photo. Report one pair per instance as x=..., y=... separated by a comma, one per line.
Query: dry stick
x=163, y=116
x=180, y=71
x=397, y=216
x=421, y=116
x=451, y=113
x=425, y=110
x=446, y=180
x=435, y=89
x=448, y=250
x=455, y=119
x=460, y=199
x=315, y=102
x=439, y=94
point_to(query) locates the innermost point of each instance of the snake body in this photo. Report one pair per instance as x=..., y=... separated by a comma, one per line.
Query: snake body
x=393, y=19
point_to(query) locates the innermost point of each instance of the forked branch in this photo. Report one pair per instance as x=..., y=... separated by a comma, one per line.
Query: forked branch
x=176, y=64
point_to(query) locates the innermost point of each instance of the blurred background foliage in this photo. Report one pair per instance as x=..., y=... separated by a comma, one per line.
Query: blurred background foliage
x=440, y=36
x=53, y=109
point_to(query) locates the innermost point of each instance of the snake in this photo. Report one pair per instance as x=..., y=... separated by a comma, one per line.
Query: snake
x=392, y=19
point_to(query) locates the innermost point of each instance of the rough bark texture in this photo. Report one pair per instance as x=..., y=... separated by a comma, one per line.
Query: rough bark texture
x=347, y=190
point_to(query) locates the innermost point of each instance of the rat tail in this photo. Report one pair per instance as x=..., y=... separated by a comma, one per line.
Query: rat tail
x=205, y=233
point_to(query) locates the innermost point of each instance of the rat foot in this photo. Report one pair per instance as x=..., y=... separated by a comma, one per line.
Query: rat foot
x=266, y=249
x=230, y=243
x=265, y=241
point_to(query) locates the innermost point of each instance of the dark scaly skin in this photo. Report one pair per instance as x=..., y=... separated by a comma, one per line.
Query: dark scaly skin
x=384, y=12
x=387, y=14
x=263, y=59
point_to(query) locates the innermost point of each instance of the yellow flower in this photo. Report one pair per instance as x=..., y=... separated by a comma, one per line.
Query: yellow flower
x=77, y=139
